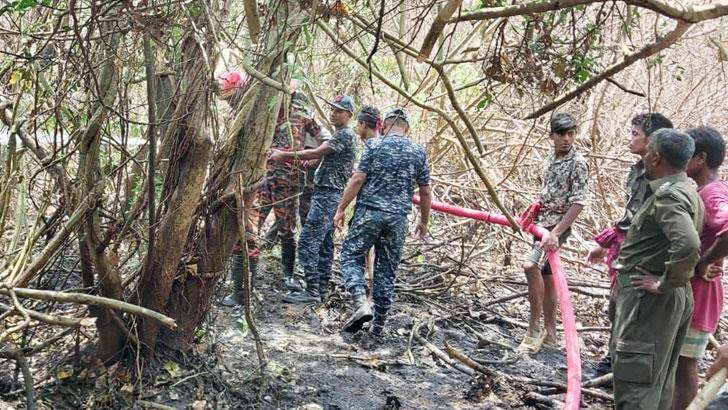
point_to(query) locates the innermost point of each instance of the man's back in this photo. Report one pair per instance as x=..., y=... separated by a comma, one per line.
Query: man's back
x=393, y=164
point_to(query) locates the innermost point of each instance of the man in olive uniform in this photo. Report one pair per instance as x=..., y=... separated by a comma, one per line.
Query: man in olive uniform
x=609, y=240
x=656, y=261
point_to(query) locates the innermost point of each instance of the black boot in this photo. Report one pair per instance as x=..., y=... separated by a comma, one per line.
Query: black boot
x=378, y=323
x=310, y=295
x=288, y=262
x=324, y=289
x=362, y=313
x=236, y=297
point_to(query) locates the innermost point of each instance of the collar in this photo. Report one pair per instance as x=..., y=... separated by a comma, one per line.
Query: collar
x=672, y=178
x=569, y=156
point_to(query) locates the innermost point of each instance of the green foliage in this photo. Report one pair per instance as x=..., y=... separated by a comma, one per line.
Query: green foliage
x=582, y=67
x=486, y=101
x=21, y=6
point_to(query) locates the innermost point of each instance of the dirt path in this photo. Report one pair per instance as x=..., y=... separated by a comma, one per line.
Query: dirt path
x=314, y=363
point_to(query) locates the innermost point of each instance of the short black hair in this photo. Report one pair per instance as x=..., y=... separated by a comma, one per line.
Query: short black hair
x=709, y=141
x=675, y=146
x=369, y=116
x=562, y=122
x=651, y=122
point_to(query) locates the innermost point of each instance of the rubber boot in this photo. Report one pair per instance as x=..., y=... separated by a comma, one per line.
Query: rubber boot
x=236, y=297
x=310, y=295
x=288, y=261
x=362, y=313
x=378, y=323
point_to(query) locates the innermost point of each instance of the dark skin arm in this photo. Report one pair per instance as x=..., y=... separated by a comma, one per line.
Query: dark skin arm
x=351, y=191
x=715, y=253
x=307, y=154
x=425, y=200
x=550, y=241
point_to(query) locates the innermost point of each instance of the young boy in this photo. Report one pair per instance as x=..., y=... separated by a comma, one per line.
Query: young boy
x=563, y=195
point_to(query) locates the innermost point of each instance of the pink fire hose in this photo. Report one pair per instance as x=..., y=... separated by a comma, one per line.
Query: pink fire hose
x=573, y=358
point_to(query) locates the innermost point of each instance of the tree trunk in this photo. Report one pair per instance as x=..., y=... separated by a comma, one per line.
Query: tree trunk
x=94, y=260
x=183, y=187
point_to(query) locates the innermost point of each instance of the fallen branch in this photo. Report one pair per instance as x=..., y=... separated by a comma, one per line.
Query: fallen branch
x=599, y=381
x=455, y=354
x=53, y=320
x=85, y=299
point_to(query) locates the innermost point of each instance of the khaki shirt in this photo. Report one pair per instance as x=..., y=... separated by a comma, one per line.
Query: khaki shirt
x=664, y=235
x=636, y=185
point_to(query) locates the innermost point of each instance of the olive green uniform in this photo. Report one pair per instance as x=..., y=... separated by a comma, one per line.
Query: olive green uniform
x=649, y=328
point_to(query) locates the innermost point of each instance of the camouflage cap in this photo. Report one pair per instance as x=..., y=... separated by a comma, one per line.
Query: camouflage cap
x=343, y=102
x=397, y=113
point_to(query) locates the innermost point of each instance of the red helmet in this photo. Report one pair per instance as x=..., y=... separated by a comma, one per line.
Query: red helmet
x=231, y=81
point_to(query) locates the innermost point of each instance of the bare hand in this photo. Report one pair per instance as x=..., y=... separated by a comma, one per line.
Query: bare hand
x=646, y=281
x=339, y=219
x=275, y=155
x=550, y=242
x=596, y=255
x=708, y=273
x=310, y=163
x=714, y=271
x=421, y=231
x=721, y=361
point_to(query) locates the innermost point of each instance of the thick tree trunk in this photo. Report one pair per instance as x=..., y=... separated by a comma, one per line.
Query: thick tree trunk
x=183, y=186
x=185, y=292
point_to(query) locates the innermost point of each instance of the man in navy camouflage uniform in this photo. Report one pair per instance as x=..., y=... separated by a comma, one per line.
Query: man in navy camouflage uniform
x=389, y=168
x=316, y=243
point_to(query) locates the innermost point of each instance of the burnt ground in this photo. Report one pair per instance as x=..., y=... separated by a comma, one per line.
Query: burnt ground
x=311, y=364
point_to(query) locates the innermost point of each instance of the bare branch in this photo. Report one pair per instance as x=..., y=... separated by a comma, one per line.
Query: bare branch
x=628, y=60
x=692, y=14
x=251, y=15
x=436, y=28
x=86, y=299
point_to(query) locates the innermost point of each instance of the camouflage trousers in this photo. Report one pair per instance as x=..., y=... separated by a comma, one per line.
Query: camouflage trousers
x=385, y=231
x=304, y=200
x=282, y=200
x=316, y=243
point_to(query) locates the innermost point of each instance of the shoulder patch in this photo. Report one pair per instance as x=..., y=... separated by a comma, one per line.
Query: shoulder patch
x=664, y=190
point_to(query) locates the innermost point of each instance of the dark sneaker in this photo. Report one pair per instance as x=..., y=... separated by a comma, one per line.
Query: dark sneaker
x=306, y=296
x=292, y=284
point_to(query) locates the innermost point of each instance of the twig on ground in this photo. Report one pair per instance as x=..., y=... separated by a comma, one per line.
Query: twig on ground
x=599, y=381
x=154, y=405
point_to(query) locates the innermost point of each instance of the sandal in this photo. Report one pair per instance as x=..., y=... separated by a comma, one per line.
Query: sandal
x=531, y=345
x=552, y=344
